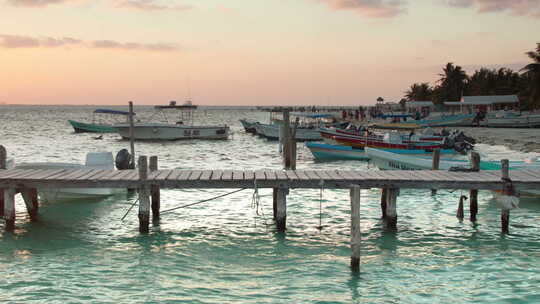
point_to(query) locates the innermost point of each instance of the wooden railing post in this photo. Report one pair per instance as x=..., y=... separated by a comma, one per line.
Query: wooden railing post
x=155, y=191
x=3, y=164
x=286, y=139
x=281, y=208
x=144, y=201
x=473, y=193
x=435, y=165
x=355, y=228
x=131, y=134
x=505, y=213
x=391, y=208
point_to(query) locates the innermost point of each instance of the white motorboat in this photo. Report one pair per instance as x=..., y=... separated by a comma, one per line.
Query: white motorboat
x=182, y=129
x=507, y=119
x=94, y=160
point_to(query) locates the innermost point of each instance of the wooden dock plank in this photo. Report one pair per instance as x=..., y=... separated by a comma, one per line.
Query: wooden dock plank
x=227, y=175
x=184, y=175
x=238, y=175
x=26, y=173
x=270, y=174
x=259, y=175
x=249, y=175
x=291, y=175
x=163, y=174
x=302, y=175
x=281, y=175
x=206, y=175
x=121, y=175
x=216, y=175
x=174, y=175
x=195, y=175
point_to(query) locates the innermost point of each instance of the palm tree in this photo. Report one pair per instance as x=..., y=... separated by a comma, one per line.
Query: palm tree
x=532, y=73
x=453, y=82
x=419, y=91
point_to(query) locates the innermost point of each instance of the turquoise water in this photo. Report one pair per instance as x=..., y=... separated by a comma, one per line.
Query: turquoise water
x=225, y=251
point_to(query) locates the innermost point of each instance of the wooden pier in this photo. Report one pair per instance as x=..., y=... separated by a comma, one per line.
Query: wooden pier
x=149, y=181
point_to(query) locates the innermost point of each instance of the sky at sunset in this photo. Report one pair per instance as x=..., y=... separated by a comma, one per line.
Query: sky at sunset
x=250, y=52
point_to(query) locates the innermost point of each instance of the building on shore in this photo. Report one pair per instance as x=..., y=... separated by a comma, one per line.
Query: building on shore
x=488, y=103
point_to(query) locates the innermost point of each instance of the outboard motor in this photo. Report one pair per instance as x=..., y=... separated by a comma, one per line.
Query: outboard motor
x=123, y=160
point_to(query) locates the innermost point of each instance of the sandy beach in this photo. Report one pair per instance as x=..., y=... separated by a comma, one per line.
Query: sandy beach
x=524, y=140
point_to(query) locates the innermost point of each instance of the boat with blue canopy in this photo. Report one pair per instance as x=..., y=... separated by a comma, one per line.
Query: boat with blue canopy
x=101, y=123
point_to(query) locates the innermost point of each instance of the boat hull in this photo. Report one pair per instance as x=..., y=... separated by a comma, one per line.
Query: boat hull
x=271, y=131
x=67, y=194
x=338, y=152
x=249, y=126
x=172, y=132
x=81, y=127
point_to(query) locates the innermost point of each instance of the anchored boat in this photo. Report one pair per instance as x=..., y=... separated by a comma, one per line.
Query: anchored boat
x=98, y=124
x=183, y=128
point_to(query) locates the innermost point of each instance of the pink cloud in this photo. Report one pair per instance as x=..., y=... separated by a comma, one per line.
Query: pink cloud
x=35, y=3
x=18, y=41
x=529, y=8
x=368, y=8
x=150, y=5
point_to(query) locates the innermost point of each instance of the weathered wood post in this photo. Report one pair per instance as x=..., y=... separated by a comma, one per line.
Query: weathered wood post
x=459, y=213
x=473, y=193
x=274, y=201
x=435, y=165
x=144, y=201
x=355, y=228
x=505, y=213
x=131, y=134
x=3, y=163
x=391, y=208
x=384, y=195
x=9, y=209
x=30, y=197
x=286, y=139
x=281, y=208
x=155, y=191
x=292, y=150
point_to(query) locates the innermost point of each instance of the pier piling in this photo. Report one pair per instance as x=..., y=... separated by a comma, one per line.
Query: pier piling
x=155, y=191
x=274, y=202
x=505, y=213
x=460, y=213
x=281, y=208
x=144, y=200
x=473, y=193
x=435, y=165
x=3, y=162
x=9, y=209
x=391, y=210
x=384, y=194
x=355, y=228
x=30, y=197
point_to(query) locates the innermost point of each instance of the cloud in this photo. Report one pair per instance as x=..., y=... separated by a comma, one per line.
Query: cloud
x=368, y=8
x=34, y=3
x=150, y=5
x=17, y=41
x=110, y=44
x=529, y=8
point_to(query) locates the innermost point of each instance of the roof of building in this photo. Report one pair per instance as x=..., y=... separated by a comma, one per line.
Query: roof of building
x=414, y=104
x=483, y=100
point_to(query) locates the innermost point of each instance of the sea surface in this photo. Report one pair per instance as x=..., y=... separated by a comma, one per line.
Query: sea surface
x=227, y=250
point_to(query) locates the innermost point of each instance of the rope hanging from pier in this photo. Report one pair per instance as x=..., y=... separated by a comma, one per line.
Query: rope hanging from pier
x=130, y=207
x=321, y=183
x=203, y=201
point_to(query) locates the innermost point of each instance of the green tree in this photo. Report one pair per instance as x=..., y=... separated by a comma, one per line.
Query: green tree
x=532, y=76
x=419, y=92
x=452, y=83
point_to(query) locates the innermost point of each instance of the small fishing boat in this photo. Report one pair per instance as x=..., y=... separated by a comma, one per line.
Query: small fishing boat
x=182, y=129
x=94, y=160
x=249, y=125
x=508, y=119
x=387, y=160
x=339, y=152
x=98, y=124
x=434, y=120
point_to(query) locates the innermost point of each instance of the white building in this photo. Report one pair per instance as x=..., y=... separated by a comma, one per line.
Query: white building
x=471, y=104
